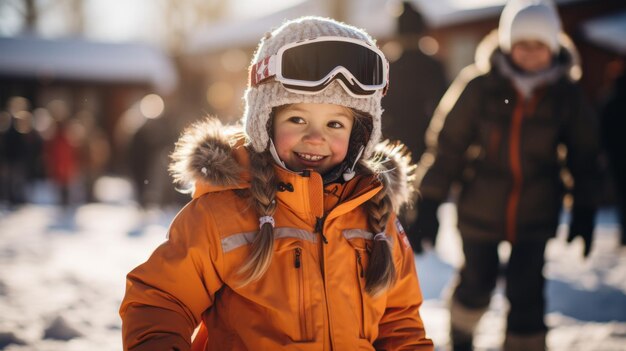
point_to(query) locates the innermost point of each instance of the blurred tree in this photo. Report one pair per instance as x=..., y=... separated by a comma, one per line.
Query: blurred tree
x=183, y=17
x=77, y=15
x=337, y=9
x=28, y=14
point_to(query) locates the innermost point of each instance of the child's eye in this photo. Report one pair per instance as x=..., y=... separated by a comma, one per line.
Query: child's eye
x=296, y=119
x=335, y=125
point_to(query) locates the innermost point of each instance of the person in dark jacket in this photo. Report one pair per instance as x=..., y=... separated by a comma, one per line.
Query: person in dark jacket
x=612, y=129
x=20, y=149
x=419, y=81
x=498, y=131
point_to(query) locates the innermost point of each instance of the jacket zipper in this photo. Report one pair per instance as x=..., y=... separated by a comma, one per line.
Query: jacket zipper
x=297, y=261
x=301, y=303
x=361, y=274
x=515, y=164
x=358, y=260
x=319, y=227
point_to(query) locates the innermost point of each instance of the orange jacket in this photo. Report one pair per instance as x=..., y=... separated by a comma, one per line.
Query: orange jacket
x=312, y=296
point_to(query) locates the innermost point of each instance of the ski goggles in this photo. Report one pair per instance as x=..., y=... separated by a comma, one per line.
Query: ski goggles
x=309, y=66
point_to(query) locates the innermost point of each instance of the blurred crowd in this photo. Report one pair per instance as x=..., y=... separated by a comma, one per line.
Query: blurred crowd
x=51, y=155
x=48, y=144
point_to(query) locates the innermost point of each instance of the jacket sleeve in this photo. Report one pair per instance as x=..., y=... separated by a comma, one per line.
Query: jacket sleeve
x=166, y=295
x=401, y=326
x=450, y=133
x=581, y=137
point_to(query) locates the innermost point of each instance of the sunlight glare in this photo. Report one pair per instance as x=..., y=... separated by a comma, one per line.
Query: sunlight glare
x=152, y=106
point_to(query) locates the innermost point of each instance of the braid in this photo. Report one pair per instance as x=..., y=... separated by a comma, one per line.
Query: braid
x=381, y=272
x=263, y=190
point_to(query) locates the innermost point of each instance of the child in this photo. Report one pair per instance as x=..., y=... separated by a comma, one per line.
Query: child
x=501, y=124
x=290, y=241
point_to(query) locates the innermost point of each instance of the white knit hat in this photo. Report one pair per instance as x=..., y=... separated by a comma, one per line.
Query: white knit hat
x=529, y=20
x=261, y=99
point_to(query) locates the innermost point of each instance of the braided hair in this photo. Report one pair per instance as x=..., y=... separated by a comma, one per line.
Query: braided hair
x=263, y=188
x=381, y=271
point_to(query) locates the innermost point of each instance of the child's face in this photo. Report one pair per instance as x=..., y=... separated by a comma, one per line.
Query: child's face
x=531, y=55
x=314, y=136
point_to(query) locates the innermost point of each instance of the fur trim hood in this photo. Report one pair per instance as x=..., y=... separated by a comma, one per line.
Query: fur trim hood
x=568, y=56
x=210, y=157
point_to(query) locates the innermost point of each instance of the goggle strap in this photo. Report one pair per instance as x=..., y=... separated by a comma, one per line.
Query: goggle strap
x=386, y=88
x=263, y=70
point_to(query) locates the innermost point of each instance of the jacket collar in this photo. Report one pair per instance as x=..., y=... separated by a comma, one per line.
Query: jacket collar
x=303, y=192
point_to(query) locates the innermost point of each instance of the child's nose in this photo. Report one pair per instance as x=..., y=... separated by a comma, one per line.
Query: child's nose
x=314, y=135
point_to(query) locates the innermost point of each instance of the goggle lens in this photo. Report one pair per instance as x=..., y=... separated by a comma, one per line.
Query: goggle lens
x=315, y=61
x=310, y=66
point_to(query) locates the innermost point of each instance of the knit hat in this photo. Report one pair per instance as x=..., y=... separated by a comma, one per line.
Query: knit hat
x=259, y=100
x=529, y=19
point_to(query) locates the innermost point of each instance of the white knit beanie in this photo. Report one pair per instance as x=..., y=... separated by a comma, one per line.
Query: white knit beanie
x=529, y=20
x=260, y=100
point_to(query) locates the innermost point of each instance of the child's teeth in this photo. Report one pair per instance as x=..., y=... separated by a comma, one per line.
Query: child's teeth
x=311, y=157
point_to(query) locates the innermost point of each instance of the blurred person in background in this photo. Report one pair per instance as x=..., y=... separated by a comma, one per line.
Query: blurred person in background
x=94, y=151
x=144, y=137
x=613, y=126
x=419, y=82
x=148, y=153
x=61, y=152
x=20, y=147
x=498, y=129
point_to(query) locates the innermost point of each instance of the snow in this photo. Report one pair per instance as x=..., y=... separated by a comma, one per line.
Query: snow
x=586, y=298
x=62, y=278
x=83, y=60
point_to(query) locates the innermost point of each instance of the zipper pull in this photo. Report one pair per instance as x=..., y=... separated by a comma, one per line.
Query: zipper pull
x=358, y=260
x=297, y=262
x=319, y=228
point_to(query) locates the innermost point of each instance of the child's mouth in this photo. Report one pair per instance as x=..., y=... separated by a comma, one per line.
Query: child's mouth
x=309, y=157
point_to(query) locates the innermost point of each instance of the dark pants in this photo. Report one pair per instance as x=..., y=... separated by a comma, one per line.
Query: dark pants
x=524, y=282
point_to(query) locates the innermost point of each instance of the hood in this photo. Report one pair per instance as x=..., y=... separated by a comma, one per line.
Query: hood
x=568, y=57
x=210, y=156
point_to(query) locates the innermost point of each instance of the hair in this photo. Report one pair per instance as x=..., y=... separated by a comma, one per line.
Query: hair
x=381, y=271
x=263, y=186
x=380, y=274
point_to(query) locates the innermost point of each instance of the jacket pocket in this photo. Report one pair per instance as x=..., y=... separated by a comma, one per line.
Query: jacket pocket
x=305, y=324
x=361, y=240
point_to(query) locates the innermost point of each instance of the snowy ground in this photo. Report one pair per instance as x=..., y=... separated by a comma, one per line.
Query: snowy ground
x=62, y=279
x=586, y=298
